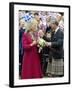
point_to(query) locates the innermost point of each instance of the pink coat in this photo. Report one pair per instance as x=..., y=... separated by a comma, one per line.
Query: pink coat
x=31, y=67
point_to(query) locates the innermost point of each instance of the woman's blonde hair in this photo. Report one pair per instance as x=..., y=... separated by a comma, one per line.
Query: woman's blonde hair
x=30, y=24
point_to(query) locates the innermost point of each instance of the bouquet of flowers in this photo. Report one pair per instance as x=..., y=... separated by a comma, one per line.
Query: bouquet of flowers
x=41, y=44
x=41, y=41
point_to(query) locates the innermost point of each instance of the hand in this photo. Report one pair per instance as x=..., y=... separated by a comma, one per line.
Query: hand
x=37, y=41
x=33, y=43
x=48, y=44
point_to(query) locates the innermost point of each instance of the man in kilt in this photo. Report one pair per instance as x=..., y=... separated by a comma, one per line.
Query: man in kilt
x=56, y=48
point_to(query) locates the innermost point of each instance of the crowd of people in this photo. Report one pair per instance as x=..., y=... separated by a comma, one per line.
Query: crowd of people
x=41, y=35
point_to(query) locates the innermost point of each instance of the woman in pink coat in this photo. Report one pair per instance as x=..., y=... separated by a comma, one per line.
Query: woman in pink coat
x=31, y=67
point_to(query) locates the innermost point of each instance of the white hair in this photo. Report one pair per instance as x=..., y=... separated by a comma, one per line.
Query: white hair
x=31, y=23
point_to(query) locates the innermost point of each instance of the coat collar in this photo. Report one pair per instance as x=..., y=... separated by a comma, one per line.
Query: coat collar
x=56, y=29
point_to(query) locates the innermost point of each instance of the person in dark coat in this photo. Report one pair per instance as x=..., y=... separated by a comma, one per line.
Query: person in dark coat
x=21, y=51
x=56, y=48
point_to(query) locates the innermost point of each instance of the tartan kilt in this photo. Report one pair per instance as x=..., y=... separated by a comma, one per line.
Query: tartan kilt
x=57, y=67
